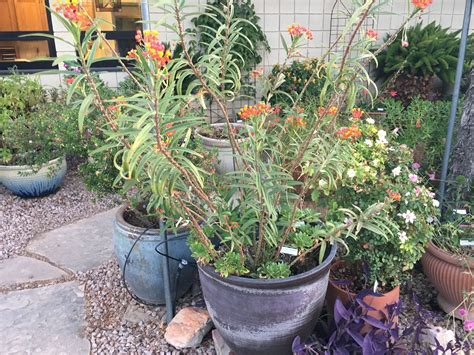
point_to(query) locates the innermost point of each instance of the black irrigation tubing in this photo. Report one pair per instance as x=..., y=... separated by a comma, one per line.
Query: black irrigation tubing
x=182, y=264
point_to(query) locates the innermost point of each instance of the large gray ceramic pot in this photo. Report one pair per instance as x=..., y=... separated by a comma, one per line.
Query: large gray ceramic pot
x=144, y=273
x=257, y=316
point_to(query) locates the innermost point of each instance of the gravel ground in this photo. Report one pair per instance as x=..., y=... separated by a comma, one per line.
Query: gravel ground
x=110, y=332
x=22, y=219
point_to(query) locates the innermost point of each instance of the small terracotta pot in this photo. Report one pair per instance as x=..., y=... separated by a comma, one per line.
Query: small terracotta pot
x=451, y=277
x=379, y=303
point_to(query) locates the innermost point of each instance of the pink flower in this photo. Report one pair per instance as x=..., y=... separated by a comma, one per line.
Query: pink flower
x=432, y=175
x=431, y=194
x=405, y=44
x=372, y=34
x=462, y=312
x=417, y=191
x=415, y=165
x=413, y=178
x=393, y=93
x=468, y=325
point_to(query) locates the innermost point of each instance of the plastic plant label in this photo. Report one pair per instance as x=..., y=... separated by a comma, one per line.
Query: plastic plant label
x=463, y=212
x=289, y=251
x=466, y=243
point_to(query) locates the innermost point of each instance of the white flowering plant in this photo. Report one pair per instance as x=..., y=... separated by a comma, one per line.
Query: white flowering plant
x=381, y=171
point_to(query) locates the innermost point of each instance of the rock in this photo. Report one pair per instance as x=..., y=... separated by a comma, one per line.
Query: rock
x=220, y=345
x=444, y=337
x=44, y=320
x=188, y=328
x=79, y=246
x=22, y=269
x=137, y=314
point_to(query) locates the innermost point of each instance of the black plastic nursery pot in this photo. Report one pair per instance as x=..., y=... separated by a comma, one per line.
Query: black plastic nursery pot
x=258, y=316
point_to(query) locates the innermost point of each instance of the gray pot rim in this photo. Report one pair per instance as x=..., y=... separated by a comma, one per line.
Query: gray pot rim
x=295, y=280
x=220, y=142
x=140, y=230
x=29, y=167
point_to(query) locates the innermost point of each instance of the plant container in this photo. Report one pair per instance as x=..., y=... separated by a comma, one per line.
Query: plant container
x=452, y=276
x=261, y=316
x=227, y=160
x=380, y=303
x=143, y=274
x=23, y=181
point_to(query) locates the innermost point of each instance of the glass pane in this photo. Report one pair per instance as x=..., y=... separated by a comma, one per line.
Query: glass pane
x=119, y=15
x=23, y=15
x=121, y=46
x=17, y=51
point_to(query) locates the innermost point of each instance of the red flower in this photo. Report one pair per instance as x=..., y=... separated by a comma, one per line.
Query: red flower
x=70, y=80
x=296, y=31
x=422, y=4
x=372, y=34
x=357, y=113
x=393, y=93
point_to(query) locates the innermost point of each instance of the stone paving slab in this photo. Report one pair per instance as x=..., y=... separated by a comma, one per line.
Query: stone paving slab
x=78, y=246
x=45, y=320
x=22, y=269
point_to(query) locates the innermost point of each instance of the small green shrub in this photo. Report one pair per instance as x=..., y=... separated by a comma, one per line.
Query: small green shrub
x=251, y=31
x=430, y=51
x=421, y=126
x=19, y=96
x=297, y=75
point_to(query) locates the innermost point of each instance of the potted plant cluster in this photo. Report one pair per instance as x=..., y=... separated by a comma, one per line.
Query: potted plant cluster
x=263, y=254
x=381, y=170
x=449, y=264
x=32, y=138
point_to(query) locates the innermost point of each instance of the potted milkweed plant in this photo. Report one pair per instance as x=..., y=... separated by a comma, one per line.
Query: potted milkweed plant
x=263, y=255
x=33, y=140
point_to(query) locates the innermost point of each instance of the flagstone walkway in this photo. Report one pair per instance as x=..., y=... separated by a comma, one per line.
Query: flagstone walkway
x=41, y=300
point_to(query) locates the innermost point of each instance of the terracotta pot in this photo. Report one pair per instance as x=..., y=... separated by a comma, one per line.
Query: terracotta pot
x=379, y=303
x=451, y=277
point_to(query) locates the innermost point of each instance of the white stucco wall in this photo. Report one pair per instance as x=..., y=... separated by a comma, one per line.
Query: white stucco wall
x=276, y=15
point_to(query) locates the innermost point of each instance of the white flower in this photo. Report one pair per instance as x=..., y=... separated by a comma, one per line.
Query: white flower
x=435, y=203
x=351, y=173
x=322, y=183
x=381, y=133
x=409, y=216
x=396, y=171
x=430, y=219
x=369, y=142
x=370, y=120
x=402, y=236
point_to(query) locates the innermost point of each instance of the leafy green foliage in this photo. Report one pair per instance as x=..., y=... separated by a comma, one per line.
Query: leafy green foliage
x=297, y=75
x=381, y=171
x=274, y=270
x=251, y=32
x=432, y=51
x=19, y=97
x=421, y=126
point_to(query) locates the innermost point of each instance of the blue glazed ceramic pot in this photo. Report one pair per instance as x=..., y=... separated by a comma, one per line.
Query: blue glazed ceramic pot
x=144, y=275
x=23, y=181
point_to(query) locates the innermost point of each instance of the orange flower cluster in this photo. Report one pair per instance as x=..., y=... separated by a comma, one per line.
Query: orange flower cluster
x=71, y=10
x=296, y=120
x=357, y=113
x=422, y=4
x=247, y=111
x=170, y=133
x=332, y=111
x=352, y=132
x=394, y=195
x=152, y=48
x=296, y=31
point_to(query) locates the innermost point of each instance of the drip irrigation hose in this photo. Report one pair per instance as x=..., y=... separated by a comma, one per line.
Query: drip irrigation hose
x=182, y=264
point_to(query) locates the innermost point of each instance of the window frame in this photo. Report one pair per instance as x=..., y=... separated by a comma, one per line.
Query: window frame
x=30, y=66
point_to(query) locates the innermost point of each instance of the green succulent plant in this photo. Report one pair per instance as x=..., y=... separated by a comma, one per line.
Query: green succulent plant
x=430, y=50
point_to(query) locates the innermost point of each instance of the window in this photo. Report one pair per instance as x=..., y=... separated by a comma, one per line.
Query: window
x=18, y=19
x=119, y=26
